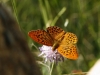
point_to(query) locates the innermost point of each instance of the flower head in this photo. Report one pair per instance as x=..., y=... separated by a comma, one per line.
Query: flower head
x=49, y=54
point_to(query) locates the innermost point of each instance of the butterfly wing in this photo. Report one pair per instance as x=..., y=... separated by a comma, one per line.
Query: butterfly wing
x=67, y=46
x=55, y=32
x=69, y=52
x=69, y=39
x=41, y=36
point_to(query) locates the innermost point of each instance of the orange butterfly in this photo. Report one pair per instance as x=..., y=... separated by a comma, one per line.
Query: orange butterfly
x=56, y=37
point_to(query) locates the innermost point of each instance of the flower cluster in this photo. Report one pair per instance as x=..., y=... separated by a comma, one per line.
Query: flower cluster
x=49, y=54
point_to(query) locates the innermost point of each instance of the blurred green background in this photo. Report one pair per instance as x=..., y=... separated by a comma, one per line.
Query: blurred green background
x=83, y=17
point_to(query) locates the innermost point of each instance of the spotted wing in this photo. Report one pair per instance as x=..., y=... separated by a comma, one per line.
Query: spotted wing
x=69, y=39
x=55, y=32
x=41, y=36
x=69, y=52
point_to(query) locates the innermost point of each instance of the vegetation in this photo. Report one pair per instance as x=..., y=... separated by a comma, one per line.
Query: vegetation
x=83, y=17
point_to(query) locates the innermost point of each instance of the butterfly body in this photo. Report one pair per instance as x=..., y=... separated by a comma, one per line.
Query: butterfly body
x=55, y=45
x=64, y=42
x=58, y=40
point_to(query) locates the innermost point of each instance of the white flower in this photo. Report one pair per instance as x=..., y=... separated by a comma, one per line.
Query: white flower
x=49, y=54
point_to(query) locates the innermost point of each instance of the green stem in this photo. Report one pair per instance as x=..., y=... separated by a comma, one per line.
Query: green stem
x=51, y=68
x=43, y=11
x=15, y=10
x=58, y=15
x=34, y=46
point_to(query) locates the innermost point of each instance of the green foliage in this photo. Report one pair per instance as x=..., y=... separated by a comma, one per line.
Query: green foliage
x=83, y=20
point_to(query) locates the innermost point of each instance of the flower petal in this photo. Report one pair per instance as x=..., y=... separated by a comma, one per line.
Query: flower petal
x=49, y=54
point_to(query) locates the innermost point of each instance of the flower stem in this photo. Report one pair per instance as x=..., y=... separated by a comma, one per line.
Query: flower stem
x=51, y=68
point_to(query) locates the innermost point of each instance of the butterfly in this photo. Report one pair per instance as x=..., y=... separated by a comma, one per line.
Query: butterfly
x=64, y=42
